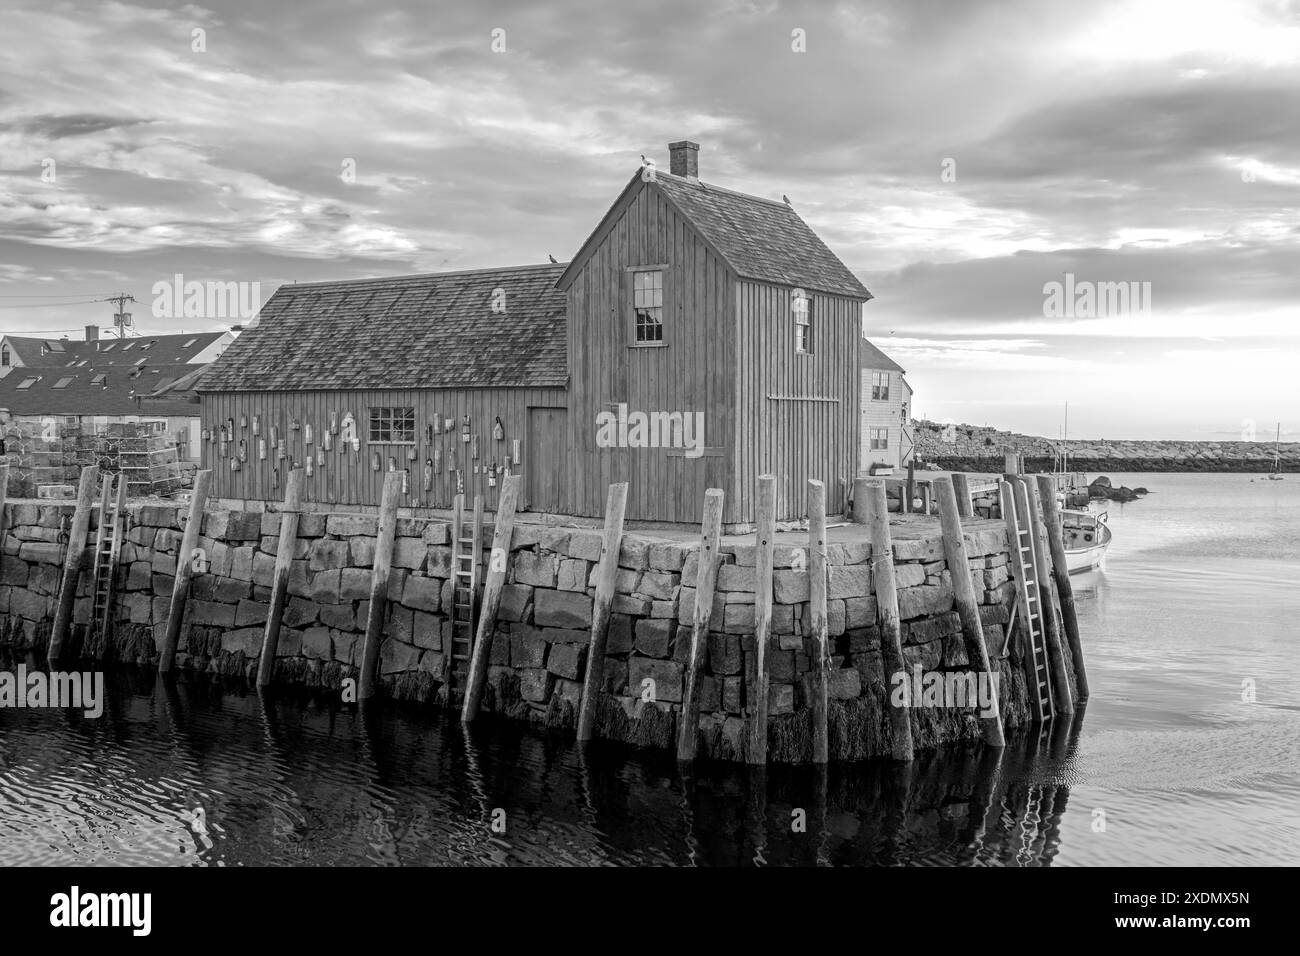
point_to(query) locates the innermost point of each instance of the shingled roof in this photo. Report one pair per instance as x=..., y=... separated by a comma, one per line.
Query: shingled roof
x=422, y=331
x=65, y=353
x=94, y=391
x=873, y=358
x=761, y=239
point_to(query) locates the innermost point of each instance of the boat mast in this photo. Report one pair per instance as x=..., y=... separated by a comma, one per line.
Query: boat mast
x=1277, y=457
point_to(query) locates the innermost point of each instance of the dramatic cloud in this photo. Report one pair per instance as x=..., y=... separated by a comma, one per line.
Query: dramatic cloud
x=957, y=156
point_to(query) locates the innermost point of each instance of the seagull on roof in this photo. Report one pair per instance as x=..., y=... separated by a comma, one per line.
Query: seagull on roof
x=644, y=161
x=785, y=199
x=551, y=257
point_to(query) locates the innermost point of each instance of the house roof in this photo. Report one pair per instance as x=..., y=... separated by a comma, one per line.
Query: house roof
x=83, y=393
x=65, y=353
x=760, y=238
x=422, y=331
x=873, y=358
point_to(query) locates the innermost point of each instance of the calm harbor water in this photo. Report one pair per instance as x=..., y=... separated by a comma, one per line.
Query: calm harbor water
x=1168, y=765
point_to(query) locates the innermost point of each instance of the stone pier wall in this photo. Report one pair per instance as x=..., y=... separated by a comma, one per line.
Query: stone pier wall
x=540, y=644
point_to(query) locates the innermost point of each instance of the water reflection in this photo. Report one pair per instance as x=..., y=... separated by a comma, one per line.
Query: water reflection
x=198, y=770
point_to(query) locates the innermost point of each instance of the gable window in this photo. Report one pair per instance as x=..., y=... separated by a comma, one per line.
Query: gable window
x=879, y=439
x=391, y=426
x=801, y=307
x=648, y=305
x=880, y=386
x=4, y=357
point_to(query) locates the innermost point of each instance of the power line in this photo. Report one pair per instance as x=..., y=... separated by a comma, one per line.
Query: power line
x=54, y=305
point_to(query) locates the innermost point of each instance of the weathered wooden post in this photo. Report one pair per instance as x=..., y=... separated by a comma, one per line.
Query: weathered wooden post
x=706, y=578
x=764, y=543
x=185, y=569
x=1061, y=573
x=606, y=575
x=280, y=580
x=961, y=487
x=909, y=492
x=817, y=587
x=886, y=588
x=1064, y=699
x=73, y=560
x=4, y=493
x=954, y=549
x=379, y=583
x=861, y=489
x=503, y=530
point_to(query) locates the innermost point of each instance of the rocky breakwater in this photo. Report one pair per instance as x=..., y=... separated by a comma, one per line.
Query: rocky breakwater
x=541, y=640
x=981, y=449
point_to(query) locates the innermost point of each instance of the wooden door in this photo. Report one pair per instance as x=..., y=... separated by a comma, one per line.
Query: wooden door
x=547, y=460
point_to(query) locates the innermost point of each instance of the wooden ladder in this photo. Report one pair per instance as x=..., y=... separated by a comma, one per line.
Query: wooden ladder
x=466, y=549
x=108, y=549
x=1030, y=595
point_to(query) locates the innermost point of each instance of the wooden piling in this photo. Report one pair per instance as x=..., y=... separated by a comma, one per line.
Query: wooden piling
x=861, y=489
x=185, y=569
x=606, y=575
x=909, y=492
x=73, y=560
x=954, y=549
x=764, y=543
x=817, y=587
x=961, y=488
x=503, y=530
x=379, y=583
x=4, y=493
x=1061, y=574
x=886, y=589
x=280, y=580
x=1064, y=698
x=706, y=578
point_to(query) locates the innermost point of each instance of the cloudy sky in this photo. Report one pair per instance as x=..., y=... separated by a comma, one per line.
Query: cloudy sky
x=958, y=156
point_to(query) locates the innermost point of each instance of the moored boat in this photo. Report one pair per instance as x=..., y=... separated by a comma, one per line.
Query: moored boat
x=1087, y=535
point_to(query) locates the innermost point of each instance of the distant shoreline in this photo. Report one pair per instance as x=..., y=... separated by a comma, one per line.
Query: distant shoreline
x=996, y=464
x=955, y=447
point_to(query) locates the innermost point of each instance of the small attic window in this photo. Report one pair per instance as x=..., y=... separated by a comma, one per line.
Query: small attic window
x=141, y=361
x=109, y=347
x=648, y=306
x=98, y=379
x=28, y=382
x=128, y=346
x=55, y=346
x=63, y=382
x=70, y=364
x=189, y=343
x=148, y=345
x=801, y=309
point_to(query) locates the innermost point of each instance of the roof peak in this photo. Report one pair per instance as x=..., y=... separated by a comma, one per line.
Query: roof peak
x=558, y=267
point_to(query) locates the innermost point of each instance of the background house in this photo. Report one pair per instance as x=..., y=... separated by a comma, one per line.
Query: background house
x=687, y=300
x=886, y=410
x=94, y=383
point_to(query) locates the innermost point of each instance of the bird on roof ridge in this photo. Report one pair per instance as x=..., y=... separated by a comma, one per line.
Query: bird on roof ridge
x=786, y=199
x=552, y=258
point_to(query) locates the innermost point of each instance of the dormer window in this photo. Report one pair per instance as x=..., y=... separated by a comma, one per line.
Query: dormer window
x=801, y=308
x=648, y=306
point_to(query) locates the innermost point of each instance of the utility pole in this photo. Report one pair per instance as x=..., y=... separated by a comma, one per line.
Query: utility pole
x=121, y=318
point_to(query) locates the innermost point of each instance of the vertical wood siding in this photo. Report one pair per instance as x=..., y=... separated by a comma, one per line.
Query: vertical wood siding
x=803, y=408
x=347, y=477
x=694, y=373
